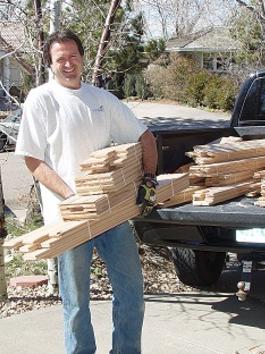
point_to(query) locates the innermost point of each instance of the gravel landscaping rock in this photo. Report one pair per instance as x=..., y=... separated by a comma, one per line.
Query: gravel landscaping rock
x=159, y=275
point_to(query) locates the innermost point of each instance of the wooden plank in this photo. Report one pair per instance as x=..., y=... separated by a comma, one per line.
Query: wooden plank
x=215, y=195
x=182, y=197
x=216, y=169
x=211, y=153
x=228, y=179
x=120, y=212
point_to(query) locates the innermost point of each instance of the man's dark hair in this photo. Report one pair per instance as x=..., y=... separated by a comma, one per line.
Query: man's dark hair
x=60, y=37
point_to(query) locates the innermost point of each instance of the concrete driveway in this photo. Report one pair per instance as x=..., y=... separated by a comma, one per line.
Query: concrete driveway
x=185, y=323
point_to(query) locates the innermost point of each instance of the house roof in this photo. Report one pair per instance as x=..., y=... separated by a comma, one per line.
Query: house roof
x=217, y=39
x=13, y=34
x=12, y=38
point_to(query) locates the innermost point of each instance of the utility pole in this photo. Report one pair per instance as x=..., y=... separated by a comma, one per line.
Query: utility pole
x=103, y=45
x=55, y=13
x=3, y=289
x=40, y=72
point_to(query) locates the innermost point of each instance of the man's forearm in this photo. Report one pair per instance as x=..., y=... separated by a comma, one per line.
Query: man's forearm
x=149, y=152
x=48, y=177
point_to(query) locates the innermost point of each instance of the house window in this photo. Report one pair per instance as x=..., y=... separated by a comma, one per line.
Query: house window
x=217, y=63
x=208, y=61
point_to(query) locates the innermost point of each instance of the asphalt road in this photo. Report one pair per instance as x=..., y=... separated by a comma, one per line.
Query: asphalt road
x=16, y=182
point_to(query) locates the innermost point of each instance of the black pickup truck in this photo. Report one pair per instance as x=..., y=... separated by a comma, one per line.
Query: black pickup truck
x=199, y=238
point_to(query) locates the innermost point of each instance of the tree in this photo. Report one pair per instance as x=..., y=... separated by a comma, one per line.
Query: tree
x=125, y=48
x=104, y=42
x=180, y=17
x=154, y=48
x=248, y=26
x=257, y=9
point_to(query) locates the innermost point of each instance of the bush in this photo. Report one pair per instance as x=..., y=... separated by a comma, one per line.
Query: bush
x=115, y=85
x=227, y=94
x=129, y=85
x=219, y=93
x=155, y=77
x=176, y=78
x=141, y=87
x=195, y=88
x=184, y=82
x=171, y=81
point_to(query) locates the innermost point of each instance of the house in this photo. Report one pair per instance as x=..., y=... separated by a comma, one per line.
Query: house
x=213, y=49
x=12, y=65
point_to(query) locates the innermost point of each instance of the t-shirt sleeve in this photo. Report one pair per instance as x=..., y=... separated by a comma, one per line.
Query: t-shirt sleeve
x=31, y=139
x=125, y=127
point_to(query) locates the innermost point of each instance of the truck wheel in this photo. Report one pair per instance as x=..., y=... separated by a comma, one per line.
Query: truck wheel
x=197, y=268
x=3, y=141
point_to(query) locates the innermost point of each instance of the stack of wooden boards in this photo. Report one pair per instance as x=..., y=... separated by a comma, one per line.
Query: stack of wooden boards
x=224, y=170
x=106, y=198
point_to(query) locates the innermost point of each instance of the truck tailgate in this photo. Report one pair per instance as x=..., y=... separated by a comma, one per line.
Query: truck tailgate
x=238, y=213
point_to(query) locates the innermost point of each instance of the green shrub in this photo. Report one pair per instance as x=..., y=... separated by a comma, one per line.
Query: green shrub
x=211, y=92
x=219, y=93
x=182, y=81
x=115, y=86
x=141, y=87
x=171, y=81
x=195, y=87
x=176, y=78
x=227, y=94
x=129, y=85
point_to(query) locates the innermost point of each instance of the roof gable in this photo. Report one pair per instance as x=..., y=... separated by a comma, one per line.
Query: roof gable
x=13, y=34
x=12, y=39
x=213, y=39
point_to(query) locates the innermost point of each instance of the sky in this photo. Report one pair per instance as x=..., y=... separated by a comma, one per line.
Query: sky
x=215, y=13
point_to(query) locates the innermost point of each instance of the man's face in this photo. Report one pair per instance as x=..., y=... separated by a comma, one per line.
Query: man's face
x=67, y=64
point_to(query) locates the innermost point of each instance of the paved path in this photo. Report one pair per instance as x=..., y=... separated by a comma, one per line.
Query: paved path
x=16, y=181
x=199, y=323
x=162, y=110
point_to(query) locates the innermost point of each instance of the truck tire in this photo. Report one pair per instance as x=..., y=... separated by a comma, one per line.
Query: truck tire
x=3, y=141
x=197, y=268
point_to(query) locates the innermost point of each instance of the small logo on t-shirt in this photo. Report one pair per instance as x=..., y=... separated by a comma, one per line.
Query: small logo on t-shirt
x=98, y=109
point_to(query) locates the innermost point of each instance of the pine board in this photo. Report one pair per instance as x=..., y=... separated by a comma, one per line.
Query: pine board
x=215, y=169
x=182, y=197
x=215, y=195
x=211, y=153
x=78, y=232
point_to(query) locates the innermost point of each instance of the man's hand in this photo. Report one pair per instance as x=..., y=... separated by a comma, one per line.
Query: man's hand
x=146, y=197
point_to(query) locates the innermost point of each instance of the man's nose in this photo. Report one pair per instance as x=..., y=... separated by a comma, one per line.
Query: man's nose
x=67, y=63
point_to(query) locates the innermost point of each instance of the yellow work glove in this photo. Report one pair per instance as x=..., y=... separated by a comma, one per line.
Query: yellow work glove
x=146, y=197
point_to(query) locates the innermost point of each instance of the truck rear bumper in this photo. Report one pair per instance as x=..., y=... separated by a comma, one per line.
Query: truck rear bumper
x=210, y=228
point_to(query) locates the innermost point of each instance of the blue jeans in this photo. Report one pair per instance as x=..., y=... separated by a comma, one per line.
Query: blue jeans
x=117, y=247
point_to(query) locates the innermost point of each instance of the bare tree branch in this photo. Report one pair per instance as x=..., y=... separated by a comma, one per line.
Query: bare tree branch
x=243, y=3
x=105, y=37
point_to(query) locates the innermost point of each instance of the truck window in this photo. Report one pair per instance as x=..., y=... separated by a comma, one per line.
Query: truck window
x=253, y=108
x=261, y=106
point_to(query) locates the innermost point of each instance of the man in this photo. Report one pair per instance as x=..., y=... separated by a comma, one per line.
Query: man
x=63, y=121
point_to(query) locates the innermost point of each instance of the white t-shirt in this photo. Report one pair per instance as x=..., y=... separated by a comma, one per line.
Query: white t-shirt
x=62, y=127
